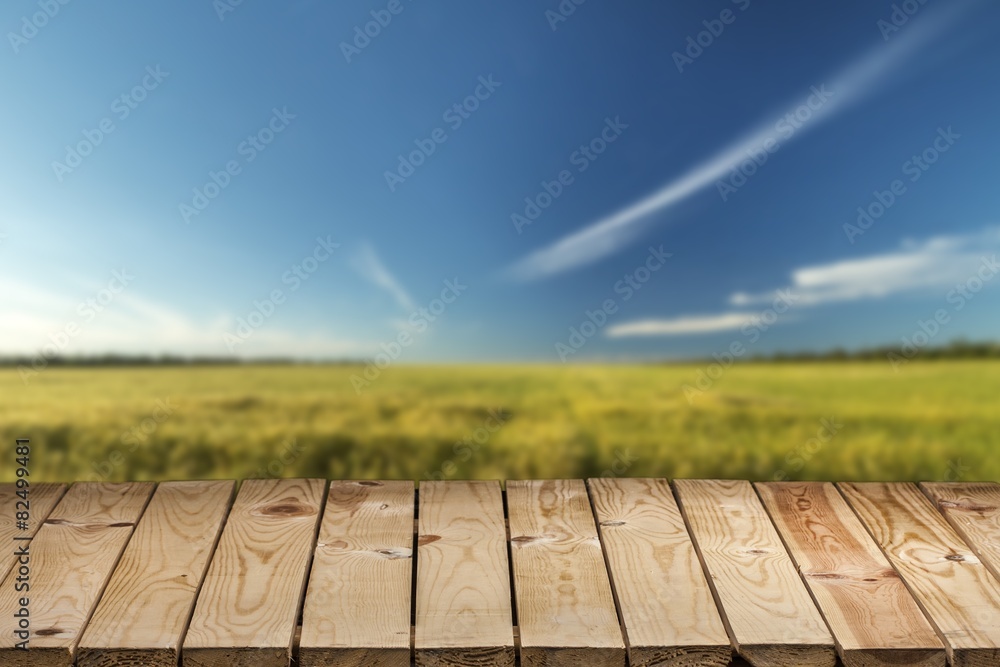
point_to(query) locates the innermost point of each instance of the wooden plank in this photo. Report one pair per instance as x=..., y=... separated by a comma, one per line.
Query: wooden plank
x=766, y=607
x=565, y=608
x=873, y=617
x=248, y=608
x=463, y=603
x=952, y=585
x=145, y=610
x=72, y=557
x=42, y=498
x=666, y=604
x=973, y=510
x=357, y=609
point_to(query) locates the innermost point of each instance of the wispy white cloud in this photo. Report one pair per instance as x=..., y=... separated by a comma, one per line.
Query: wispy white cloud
x=935, y=264
x=368, y=265
x=940, y=261
x=613, y=232
x=681, y=326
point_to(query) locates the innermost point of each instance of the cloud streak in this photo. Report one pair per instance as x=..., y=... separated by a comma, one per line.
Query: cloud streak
x=941, y=261
x=681, y=326
x=370, y=267
x=938, y=263
x=613, y=232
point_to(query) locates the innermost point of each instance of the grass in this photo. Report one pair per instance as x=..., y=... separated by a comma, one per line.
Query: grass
x=932, y=420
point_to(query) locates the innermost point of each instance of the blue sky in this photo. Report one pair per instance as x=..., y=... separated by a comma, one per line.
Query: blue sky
x=262, y=179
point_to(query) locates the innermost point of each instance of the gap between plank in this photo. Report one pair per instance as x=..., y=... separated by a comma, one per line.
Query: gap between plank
x=510, y=567
x=111, y=570
x=949, y=651
x=704, y=566
x=297, y=634
x=204, y=572
x=414, y=550
x=611, y=578
x=960, y=531
x=798, y=569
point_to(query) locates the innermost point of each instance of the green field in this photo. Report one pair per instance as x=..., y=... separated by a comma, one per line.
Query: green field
x=932, y=420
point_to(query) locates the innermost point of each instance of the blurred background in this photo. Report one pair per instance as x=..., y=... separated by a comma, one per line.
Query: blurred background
x=397, y=239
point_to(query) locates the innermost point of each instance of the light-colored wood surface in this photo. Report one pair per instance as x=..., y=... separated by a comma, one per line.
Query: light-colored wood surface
x=357, y=609
x=874, y=619
x=248, y=608
x=957, y=592
x=666, y=604
x=73, y=555
x=677, y=573
x=973, y=509
x=771, y=617
x=565, y=608
x=463, y=597
x=42, y=497
x=145, y=610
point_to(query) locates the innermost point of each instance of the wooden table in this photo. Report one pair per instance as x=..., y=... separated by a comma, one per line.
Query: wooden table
x=604, y=572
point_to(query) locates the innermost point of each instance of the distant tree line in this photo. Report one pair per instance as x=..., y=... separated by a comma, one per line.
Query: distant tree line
x=958, y=349
x=153, y=360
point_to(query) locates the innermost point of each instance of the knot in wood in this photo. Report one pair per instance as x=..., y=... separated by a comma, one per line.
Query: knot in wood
x=398, y=553
x=50, y=632
x=285, y=509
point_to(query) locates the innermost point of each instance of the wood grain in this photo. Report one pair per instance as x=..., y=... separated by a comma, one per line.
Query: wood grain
x=766, y=607
x=874, y=619
x=666, y=604
x=72, y=557
x=463, y=602
x=952, y=585
x=357, y=609
x=42, y=498
x=145, y=610
x=565, y=608
x=248, y=608
x=973, y=510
